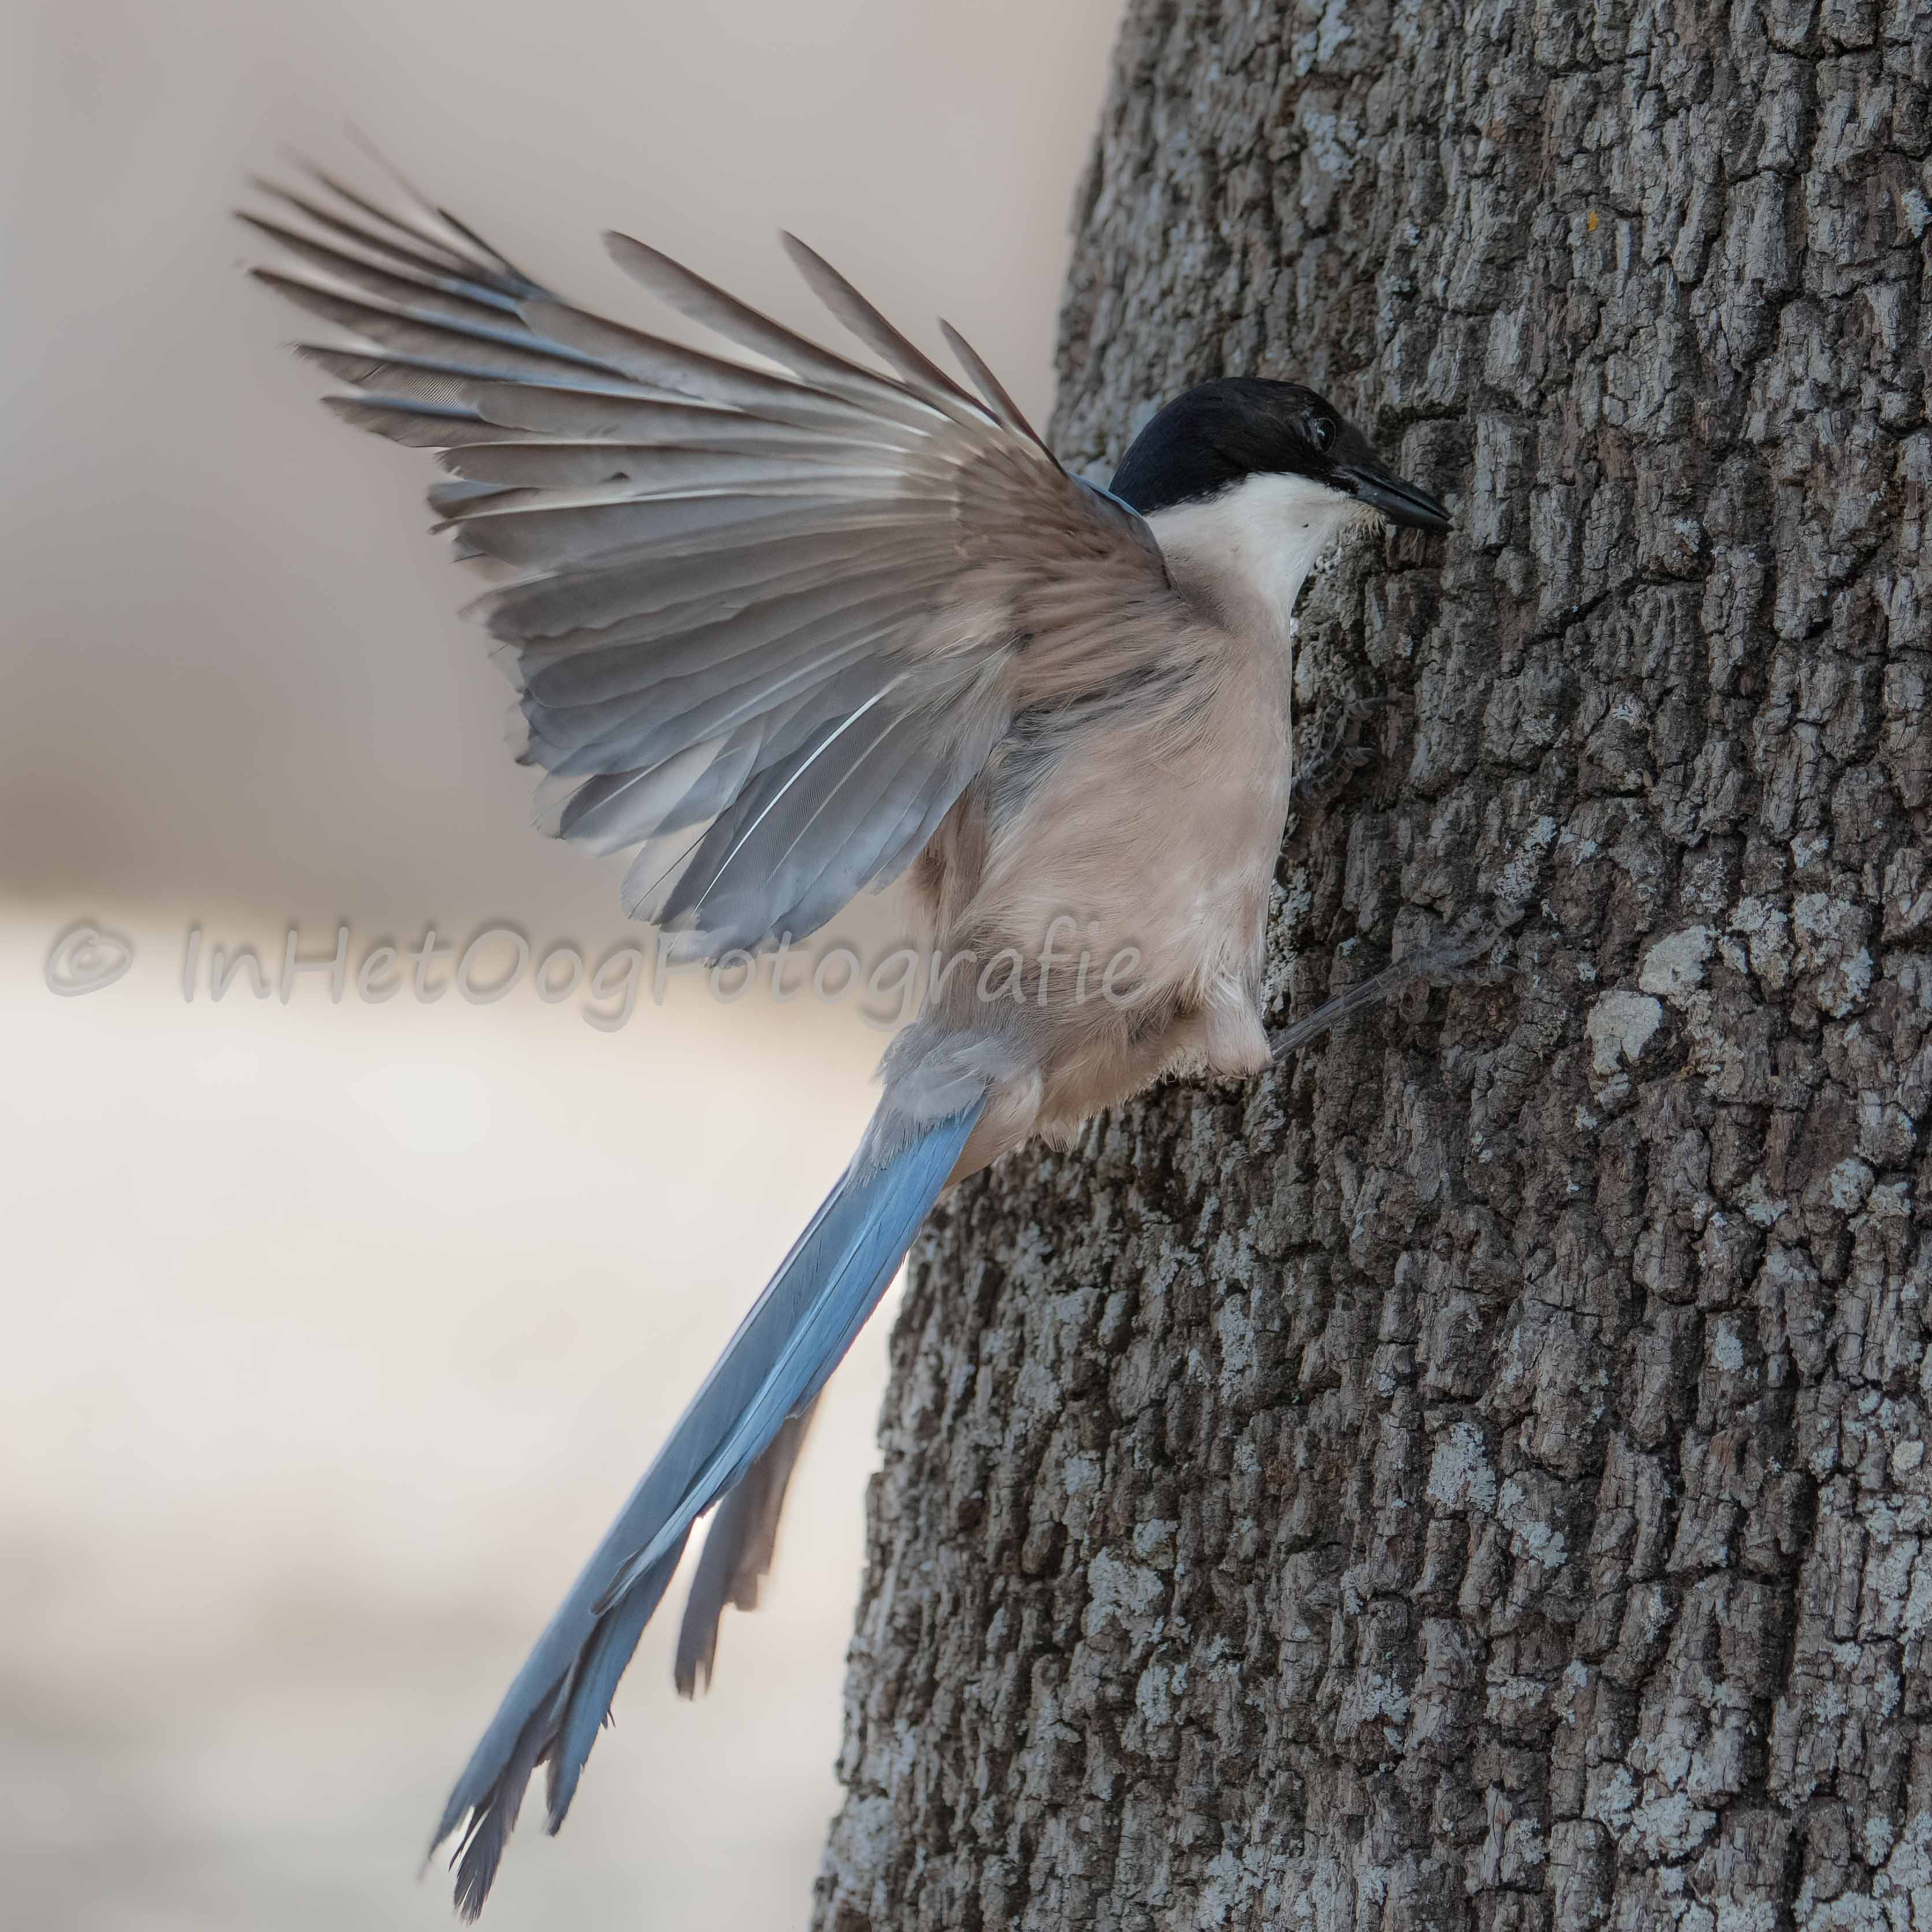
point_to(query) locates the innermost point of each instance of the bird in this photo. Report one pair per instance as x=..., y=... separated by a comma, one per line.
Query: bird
x=784, y=626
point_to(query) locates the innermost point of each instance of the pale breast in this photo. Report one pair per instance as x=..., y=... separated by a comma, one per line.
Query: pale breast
x=1155, y=832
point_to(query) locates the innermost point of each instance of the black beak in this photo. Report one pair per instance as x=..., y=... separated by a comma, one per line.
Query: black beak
x=1401, y=502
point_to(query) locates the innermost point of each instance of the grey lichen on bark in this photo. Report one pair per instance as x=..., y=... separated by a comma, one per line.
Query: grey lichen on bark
x=1477, y=1476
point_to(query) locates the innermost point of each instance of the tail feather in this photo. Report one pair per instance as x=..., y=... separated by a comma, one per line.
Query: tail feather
x=481, y=1849
x=593, y=1682
x=769, y=1376
x=738, y=1552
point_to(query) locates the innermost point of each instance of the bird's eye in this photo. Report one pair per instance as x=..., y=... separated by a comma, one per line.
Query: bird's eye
x=1321, y=431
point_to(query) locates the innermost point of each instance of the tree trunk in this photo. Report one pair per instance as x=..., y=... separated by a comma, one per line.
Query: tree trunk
x=1477, y=1476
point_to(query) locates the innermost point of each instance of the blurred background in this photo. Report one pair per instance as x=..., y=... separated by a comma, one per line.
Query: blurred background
x=335, y=1334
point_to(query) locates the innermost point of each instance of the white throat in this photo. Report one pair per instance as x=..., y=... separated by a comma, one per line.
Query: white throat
x=1244, y=555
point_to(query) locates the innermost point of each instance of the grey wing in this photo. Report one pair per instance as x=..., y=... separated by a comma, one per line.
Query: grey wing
x=767, y=623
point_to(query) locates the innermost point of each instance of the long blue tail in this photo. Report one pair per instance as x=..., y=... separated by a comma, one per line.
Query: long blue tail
x=785, y=1350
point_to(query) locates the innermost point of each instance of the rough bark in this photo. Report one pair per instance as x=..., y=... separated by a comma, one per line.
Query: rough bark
x=1477, y=1477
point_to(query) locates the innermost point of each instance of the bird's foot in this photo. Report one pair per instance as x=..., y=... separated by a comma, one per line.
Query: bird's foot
x=1341, y=750
x=1472, y=954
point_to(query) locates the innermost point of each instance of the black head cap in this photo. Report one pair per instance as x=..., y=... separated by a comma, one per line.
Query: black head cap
x=1219, y=433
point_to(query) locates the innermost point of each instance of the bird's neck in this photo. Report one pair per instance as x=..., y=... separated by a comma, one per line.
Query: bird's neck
x=1243, y=555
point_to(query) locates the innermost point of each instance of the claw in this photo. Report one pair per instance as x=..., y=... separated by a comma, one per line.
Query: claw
x=1328, y=771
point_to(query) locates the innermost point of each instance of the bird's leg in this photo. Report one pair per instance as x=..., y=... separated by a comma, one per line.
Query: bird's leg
x=1444, y=961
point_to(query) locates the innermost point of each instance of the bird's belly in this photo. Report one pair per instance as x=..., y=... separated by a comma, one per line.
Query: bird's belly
x=1156, y=859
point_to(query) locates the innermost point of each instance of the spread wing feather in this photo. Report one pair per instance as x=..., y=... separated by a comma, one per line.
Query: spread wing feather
x=766, y=623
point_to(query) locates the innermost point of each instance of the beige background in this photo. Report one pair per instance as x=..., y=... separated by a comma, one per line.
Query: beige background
x=335, y=1335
